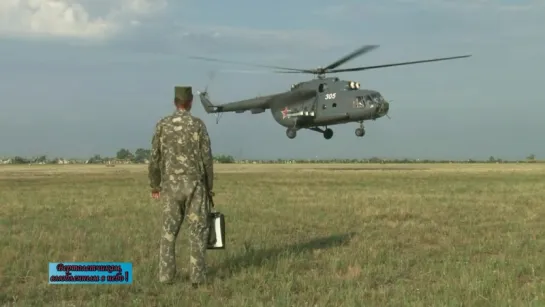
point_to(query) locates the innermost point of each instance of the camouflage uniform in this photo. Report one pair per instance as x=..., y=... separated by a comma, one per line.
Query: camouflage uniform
x=180, y=159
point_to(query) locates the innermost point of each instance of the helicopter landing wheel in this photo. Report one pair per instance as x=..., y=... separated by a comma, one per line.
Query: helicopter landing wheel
x=328, y=133
x=291, y=133
x=360, y=132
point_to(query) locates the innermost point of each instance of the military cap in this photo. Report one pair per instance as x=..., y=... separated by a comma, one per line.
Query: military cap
x=183, y=92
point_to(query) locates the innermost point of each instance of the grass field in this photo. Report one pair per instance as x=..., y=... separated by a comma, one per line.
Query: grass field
x=298, y=235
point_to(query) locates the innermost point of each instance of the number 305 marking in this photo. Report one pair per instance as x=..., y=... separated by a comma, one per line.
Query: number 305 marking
x=330, y=96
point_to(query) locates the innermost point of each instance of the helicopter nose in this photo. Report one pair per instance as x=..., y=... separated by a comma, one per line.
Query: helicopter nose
x=385, y=106
x=382, y=108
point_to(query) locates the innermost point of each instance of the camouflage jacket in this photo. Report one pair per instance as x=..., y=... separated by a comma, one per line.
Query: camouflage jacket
x=180, y=149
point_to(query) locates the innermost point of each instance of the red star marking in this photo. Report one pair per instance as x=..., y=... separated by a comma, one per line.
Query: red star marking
x=285, y=112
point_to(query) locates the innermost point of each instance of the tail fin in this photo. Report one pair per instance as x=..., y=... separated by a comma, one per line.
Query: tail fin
x=206, y=103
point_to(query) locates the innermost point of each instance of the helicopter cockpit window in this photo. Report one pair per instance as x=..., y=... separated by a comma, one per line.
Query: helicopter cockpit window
x=359, y=102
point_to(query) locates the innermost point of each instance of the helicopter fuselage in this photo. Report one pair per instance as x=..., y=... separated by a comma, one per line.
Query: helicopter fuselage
x=336, y=102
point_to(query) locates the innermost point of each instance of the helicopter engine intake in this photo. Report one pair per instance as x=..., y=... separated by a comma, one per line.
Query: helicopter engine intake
x=353, y=85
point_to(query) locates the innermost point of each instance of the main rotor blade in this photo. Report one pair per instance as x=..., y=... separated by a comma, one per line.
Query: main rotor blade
x=397, y=64
x=294, y=72
x=248, y=64
x=242, y=71
x=350, y=56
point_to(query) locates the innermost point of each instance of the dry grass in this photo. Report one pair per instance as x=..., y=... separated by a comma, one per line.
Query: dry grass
x=298, y=235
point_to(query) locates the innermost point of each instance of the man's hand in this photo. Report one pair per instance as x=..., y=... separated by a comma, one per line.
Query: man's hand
x=155, y=195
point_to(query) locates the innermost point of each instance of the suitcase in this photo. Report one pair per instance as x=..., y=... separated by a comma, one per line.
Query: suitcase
x=216, y=234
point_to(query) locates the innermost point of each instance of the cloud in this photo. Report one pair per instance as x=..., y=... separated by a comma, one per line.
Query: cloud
x=121, y=24
x=353, y=8
x=482, y=22
x=491, y=6
x=209, y=38
x=182, y=39
x=71, y=18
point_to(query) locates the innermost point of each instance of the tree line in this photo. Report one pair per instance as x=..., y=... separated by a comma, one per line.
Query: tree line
x=142, y=155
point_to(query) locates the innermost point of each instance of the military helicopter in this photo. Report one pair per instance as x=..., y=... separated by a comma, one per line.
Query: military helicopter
x=320, y=102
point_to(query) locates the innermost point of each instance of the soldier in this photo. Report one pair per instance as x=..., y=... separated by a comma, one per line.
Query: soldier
x=181, y=168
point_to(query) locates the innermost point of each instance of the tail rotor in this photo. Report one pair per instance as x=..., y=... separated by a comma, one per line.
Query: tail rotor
x=205, y=101
x=211, y=76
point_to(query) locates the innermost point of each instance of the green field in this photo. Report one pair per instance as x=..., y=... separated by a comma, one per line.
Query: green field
x=298, y=235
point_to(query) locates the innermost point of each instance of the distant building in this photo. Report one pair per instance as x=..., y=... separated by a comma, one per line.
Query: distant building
x=119, y=161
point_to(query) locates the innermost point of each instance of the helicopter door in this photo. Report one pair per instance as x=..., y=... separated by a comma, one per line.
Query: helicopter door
x=322, y=88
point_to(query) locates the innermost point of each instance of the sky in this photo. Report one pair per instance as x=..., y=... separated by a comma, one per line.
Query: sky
x=85, y=77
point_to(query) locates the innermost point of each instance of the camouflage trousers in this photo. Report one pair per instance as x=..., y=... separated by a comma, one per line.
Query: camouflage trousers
x=184, y=201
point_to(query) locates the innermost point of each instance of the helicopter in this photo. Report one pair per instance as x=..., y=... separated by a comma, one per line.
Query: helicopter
x=319, y=102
